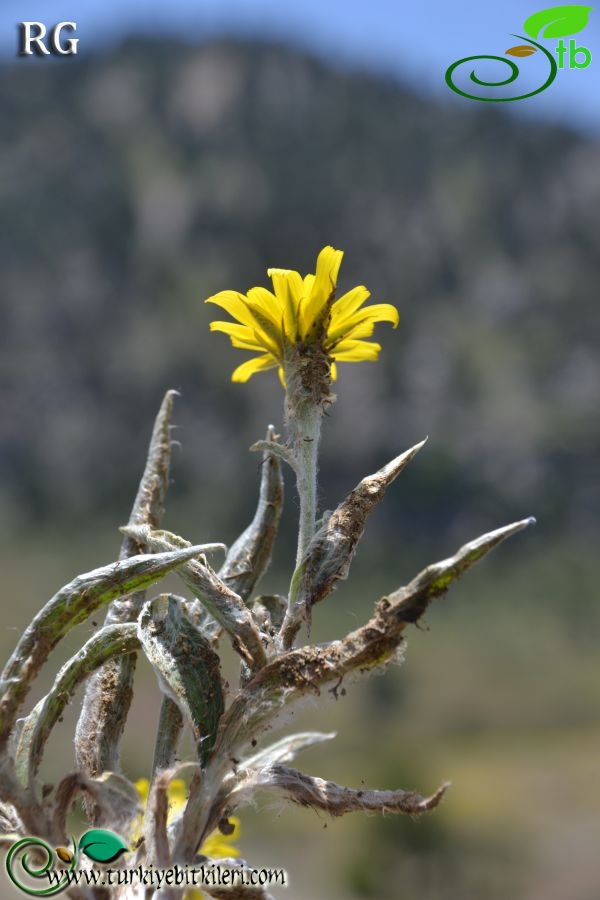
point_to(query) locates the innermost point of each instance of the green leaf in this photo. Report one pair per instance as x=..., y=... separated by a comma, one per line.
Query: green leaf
x=187, y=666
x=101, y=845
x=558, y=21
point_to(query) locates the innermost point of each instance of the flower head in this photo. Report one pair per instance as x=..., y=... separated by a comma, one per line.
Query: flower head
x=301, y=313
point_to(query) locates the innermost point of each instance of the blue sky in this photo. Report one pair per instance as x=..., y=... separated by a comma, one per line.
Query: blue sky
x=416, y=41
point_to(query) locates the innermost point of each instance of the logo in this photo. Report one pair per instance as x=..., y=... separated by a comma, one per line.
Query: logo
x=556, y=22
x=32, y=37
x=32, y=860
x=99, y=845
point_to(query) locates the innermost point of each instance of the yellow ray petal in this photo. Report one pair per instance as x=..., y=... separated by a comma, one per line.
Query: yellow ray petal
x=333, y=370
x=308, y=284
x=242, y=337
x=256, y=364
x=289, y=290
x=362, y=330
x=329, y=261
x=253, y=312
x=233, y=329
x=268, y=315
x=378, y=312
x=308, y=281
x=356, y=351
x=328, y=266
x=349, y=303
x=267, y=302
x=284, y=279
x=248, y=345
x=235, y=304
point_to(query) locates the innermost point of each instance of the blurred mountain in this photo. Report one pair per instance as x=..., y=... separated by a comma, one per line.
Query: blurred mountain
x=135, y=184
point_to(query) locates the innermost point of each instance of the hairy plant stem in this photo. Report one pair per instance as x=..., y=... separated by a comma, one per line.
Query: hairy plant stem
x=308, y=433
x=304, y=422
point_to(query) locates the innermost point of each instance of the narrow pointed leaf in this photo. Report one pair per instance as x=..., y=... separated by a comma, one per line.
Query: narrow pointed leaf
x=188, y=668
x=250, y=555
x=109, y=692
x=331, y=551
x=336, y=800
x=155, y=821
x=285, y=749
x=224, y=605
x=170, y=727
x=275, y=449
x=71, y=605
x=111, y=641
x=307, y=669
x=409, y=603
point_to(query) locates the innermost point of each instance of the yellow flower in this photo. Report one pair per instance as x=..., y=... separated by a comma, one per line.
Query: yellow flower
x=216, y=845
x=299, y=312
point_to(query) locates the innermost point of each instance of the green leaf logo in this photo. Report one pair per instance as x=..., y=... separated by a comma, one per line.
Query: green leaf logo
x=101, y=845
x=558, y=21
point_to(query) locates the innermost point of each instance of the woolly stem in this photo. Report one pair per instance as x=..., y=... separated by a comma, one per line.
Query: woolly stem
x=305, y=420
x=307, y=381
x=308, y=432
